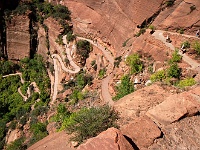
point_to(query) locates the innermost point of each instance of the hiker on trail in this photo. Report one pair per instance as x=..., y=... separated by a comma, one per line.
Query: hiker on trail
x=168, y=39
x=197, y=33
x=183, y=50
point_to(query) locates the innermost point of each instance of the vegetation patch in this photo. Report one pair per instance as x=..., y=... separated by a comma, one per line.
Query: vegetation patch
x=124, y=88
x=158, y=76
x=186, y=82
x=196, y=47
x=135, y=63
x=83, y=49
x=102, y=73
x=176, y=57
x=88, y=122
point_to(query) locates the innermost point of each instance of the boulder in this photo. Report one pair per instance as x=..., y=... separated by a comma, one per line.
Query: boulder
x=111, y=139
x=180, y=135
x=143, y=131
x=174, y=108
x=139, y=102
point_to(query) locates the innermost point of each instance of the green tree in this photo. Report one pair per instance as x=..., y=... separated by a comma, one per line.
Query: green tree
x=135, y=63
x=158, y=76
x=89, y=122
x=175, y=57
x=186, y=82
x=196, y=47
x=174, y=71
x=124, y=88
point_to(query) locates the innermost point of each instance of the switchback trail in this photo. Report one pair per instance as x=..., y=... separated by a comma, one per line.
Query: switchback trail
x=107, y=98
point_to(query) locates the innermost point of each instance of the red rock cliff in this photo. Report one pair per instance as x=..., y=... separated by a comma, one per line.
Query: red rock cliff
x=18, y=38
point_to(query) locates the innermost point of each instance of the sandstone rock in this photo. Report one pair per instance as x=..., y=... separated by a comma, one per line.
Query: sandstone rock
x=55, y=141
x=143, y=131
x=180, y=135
x=113, y=21
x=111, y=139
x=139, y=102
x=18, y=37
x=173, y=108
x=180, y=16
x=13, y=135
x=51, y=127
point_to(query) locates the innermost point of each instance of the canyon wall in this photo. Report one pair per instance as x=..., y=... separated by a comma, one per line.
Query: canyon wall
x=114, y=21
x=18, y=37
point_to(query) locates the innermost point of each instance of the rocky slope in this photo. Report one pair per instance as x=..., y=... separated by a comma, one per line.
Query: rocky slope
x=115, y=21
x=154, y=117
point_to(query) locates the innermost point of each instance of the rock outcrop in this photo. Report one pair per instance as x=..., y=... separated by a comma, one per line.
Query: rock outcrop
x=143, y=131
x=112, y=20
x=55, y=141
x=183, y=15
x=111, y=139
x=180, y=135
x=138, y=103
x=174, y=108
x=18, y=37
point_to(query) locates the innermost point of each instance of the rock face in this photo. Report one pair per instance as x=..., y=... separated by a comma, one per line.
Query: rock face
x=143, y=131
x=13, y=135
x=112, y=20
x=18, y=37
x=180, y=135
x=138, y=103
x=55, y=141
x=111, y=139
x=173, y=108
x=184, y=14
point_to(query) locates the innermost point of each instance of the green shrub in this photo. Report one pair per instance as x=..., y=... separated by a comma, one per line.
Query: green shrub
x=124, y=88
x=158, y=76
x=76, y=96
x=125, y=42
x=135, y=63
x=59, y=40
x=192, y=8
x=175, y=57
x=93, y=62
x=186, y=44
x=142, y=31
x=186, y=82
x=89, y=122
x=102, y=73
x=70, y=36
x=13, y=125
x=196, y=47
x=16, y=145
x=152, y=27
x=173, y=71
x=180, y=30
x=83, y=50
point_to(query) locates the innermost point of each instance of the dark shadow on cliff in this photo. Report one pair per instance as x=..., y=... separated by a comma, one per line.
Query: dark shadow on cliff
x=131, y=142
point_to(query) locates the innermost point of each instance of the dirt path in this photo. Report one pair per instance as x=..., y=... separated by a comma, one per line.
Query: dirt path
x=20, y=92
x=107, y=98
x=55, y=87
x=105, y=82
x=158, y=34
x=15, y=74
x=64, y=68
x=22, y=81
